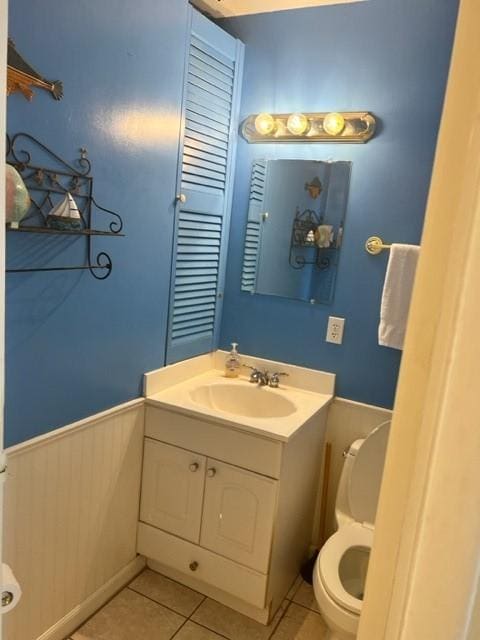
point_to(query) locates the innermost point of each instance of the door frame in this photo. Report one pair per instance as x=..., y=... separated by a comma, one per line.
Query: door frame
x=425, y=563
x=3, y=129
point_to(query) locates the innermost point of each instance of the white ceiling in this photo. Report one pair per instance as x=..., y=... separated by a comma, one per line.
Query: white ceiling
x=230, y=8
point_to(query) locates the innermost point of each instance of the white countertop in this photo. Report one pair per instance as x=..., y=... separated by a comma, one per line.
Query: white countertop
x=172, y=391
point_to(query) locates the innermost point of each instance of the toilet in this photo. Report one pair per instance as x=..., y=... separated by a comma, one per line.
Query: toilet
x=341, y=567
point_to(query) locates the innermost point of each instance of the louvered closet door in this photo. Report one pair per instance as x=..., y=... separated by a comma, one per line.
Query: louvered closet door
x=253, y=234
x=212, y=87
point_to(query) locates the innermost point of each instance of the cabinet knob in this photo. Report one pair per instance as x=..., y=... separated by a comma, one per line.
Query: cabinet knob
x=211, y=472
x=194, y=467
x=193, y=566
x=7, y=598
x=181, y=197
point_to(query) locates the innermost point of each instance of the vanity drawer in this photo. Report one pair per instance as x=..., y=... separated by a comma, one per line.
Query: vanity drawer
x=237, y=580
x=221, y=442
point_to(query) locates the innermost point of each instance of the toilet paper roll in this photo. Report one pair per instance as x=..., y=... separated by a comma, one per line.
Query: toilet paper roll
x=10, y=590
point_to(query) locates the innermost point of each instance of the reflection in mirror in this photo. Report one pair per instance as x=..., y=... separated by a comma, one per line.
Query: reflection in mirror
x=295, y=226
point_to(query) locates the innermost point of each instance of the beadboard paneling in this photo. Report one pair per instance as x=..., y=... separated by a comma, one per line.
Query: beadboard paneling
x=71, y=510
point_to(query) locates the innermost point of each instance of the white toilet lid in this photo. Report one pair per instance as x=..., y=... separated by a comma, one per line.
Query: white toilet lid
x=352, y=535
x=366, y=475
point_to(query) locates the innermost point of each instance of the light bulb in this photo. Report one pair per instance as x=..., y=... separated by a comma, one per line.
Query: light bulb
x=334, y=123
x=264, y=124
x=298, y=124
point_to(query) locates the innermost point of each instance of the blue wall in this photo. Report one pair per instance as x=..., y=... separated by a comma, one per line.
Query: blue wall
x=387, y=56
x=75, y=345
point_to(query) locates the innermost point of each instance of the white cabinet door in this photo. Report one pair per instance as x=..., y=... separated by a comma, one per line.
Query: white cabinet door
x=172, y=489
x=238, y=514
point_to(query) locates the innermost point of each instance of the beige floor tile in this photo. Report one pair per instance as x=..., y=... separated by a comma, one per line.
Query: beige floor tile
x=167, y=592
x=294, y=588
x=231, y=624
x=130, y=615
x=192, y=631
x=299, y=623
x=306, y=596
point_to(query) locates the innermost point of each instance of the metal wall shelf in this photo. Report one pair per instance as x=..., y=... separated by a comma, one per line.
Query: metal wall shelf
x=66, y=232
x=46, y=185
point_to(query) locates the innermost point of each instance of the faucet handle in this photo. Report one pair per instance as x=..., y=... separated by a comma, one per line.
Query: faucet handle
x=275, y=379
x=256, y=374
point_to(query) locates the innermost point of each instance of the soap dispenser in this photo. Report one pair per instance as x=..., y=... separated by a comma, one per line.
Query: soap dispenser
x=232, y=362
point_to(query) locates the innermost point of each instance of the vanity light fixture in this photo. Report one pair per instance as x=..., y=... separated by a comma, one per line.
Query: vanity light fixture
x=347, y=126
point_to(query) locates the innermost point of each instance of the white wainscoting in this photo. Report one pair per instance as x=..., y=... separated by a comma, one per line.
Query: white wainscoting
x=72, y=501
x=70, y=519
x=346, y=421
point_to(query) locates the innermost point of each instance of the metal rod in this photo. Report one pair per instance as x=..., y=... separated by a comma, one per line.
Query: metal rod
x=55, y=269
x=65, y=232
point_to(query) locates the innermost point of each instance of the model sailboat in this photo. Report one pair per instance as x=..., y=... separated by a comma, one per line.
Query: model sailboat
x=65, y=215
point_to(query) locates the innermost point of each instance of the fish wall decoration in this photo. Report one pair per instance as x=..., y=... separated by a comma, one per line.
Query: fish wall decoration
x=21, y=76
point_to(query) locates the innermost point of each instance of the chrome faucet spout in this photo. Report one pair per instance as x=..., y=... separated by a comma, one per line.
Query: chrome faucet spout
x=262, y=378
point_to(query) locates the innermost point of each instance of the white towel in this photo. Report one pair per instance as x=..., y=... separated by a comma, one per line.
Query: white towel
x=397, y=292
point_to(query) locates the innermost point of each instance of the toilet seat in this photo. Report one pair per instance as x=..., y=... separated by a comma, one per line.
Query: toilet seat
x=348, y=536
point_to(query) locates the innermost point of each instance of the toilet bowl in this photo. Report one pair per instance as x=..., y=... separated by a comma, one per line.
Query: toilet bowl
x=341, y=567
x=339, y=578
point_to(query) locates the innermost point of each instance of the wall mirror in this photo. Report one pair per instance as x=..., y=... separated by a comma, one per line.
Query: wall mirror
x=295, y=225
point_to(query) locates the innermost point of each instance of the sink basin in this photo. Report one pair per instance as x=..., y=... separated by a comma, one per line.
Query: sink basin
x=247, y=401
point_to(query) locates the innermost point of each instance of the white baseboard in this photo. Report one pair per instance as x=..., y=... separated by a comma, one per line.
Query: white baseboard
x=67, y=625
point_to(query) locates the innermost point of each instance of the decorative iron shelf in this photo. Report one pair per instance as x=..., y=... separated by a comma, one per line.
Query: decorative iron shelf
x=46, y=186
x=304, y=225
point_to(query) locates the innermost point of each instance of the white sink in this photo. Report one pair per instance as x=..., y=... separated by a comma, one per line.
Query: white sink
x=199, y=389
x=248, y=401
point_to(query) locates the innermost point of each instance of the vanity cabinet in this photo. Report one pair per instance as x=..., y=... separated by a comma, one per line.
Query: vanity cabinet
x=221, y=507
x=226, y=511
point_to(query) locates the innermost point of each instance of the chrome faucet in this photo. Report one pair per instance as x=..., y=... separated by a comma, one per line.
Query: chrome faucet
x=264, y=378
x=258, y=377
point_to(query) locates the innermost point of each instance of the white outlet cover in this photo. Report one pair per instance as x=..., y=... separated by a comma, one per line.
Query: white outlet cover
x=335, y=329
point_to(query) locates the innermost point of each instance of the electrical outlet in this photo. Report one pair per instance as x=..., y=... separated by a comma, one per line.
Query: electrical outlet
x=335, y=330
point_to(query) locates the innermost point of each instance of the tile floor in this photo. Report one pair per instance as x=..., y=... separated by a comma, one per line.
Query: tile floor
x=153, y=607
